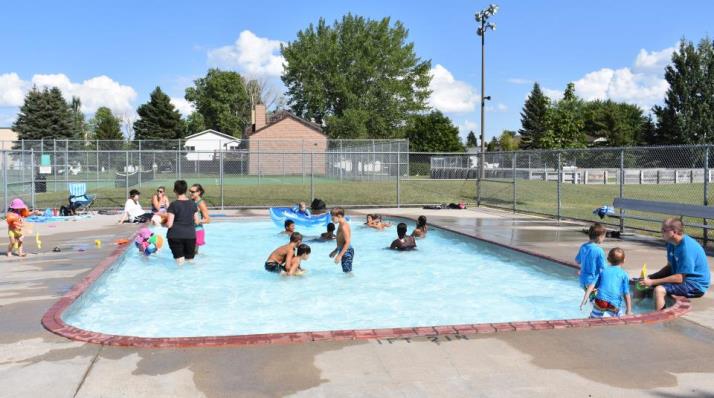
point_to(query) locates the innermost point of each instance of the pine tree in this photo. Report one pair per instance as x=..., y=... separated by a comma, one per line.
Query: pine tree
x=158, y=119
x=44, y=115
x=564, y=123
x=194, y=123
x=471, y=141
x=79, y=126
x=106, y=126
x=533, y=117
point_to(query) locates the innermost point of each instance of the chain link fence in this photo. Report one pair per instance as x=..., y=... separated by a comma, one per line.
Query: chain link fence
x=562, y=184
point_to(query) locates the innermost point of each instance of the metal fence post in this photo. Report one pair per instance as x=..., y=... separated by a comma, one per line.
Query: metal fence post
x=312, y=178
x=126, y=175
x=560, y=177
x=479, y=157
x=399, y=171
x=220, y=169
x=622, y=188
x=514, y=159
x=66, y=162
x=141, y=166
x=179, y=159
x=4, y=180
x=32, y=177
x=706, y=192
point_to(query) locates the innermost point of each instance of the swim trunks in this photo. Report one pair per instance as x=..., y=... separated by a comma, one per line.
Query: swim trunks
x=14, y=234
x=686, y=289
x=272, y=266
x=347, y=260
x=600, y=307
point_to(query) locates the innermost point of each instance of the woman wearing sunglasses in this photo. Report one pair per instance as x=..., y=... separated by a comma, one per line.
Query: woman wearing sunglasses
x=196, y=193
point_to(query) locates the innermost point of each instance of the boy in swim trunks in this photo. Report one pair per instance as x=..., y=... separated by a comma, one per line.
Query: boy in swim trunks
x=613, y=287
x=289, y=227
x=344, y=253
x=283, y=254
x=303, y=254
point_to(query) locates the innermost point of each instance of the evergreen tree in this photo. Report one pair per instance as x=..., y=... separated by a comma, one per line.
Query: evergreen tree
x=564, y=123
x=433, y=132
x=493, y=145
x=687, y=116
x=194, y=123
x=221, y=98
x=158, y=119
x=619, y=123
x=79, y=126
x=471, y=140
x=106, y=126
x=533, y=117
x=44, y=115
x=359, y=76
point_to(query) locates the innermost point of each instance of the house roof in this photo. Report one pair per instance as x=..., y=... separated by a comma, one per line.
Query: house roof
x=218, y=133
x=279, y=116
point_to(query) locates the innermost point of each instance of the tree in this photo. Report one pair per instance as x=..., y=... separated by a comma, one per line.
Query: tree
x=194, y=123
x=223, y=101
x=687, y=116
x=471, y=140
x=79, y=126
x=564, y=123
x=106, y=126
x=44, y=115
x=433, y=132
x=261, y=92
x=620, y=124
x=493, y=145
x=533, y=117
x=158, y=119
x=509, y=141
x=359, y=76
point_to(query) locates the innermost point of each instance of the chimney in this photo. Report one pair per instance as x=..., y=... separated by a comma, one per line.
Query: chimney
x=260, y=117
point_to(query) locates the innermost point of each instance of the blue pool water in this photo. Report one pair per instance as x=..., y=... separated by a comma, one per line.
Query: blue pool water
x=450, y=279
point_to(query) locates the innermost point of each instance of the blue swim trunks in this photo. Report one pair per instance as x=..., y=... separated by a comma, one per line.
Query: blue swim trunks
x=686, y=289
x=347, y=260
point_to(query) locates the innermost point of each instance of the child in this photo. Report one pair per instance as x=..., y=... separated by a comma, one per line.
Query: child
x=289, y=227
x=403, y=242
x=283, y=255
x=420, y=230
x=591, y=257
x=301, y=209
x=14, y=215
x=613, y=285
x=330, y=234
x=303, y=254
x=344, y=253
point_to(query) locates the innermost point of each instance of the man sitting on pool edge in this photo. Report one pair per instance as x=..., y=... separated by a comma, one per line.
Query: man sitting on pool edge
x=687, y=271
x=283, y=255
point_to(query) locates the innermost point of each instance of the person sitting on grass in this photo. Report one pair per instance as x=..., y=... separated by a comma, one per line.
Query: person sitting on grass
x=303, y=253
x=330, y=234
x=133, y=211
x=421, y=228
x=283, y=255
x=289, y=227
x=613, y=285
x=687, y=271
x=591, y=257
x=403, y=241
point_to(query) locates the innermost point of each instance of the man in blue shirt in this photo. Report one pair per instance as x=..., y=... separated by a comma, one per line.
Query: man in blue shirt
x=687, y=271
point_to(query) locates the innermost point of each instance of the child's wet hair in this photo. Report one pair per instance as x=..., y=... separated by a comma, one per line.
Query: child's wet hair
x=616, y=256
x=330, y=227
x=337, y=212
x=288, y=223
x=421, y=221
x=401, y=230
x=296, y=237
x=596, y=230
x=303, y=248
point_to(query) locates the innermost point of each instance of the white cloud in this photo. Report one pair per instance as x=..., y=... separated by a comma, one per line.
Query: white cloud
x=12, y=90
x=256, y=56
x=449, y=94
x=94, y=93
x=467, y=126
x=655, y=60
x=517, y=80
x=554, y=95
x=183, y=106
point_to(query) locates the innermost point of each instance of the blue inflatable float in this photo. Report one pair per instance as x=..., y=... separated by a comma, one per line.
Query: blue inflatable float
x=280, y=214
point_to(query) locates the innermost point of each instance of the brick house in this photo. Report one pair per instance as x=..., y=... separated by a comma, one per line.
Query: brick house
x=285, y=144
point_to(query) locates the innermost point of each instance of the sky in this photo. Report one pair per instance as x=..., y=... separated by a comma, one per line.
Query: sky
x=115, y=53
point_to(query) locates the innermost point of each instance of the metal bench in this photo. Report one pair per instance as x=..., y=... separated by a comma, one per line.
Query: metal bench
x=668, y=208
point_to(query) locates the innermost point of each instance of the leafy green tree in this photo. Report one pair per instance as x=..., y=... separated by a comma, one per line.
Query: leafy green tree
x=533, y=117
x=564, y=123
x=687, y=116
x=493, y=145
x=509, y=141
x=158, y=119
x=223, y=101
x=619, y=123
x=433, y=132
x=79, y=126
x=194, y=123
x=359, y=76
x=471, y=140
x=106, y=126
x=44, y=115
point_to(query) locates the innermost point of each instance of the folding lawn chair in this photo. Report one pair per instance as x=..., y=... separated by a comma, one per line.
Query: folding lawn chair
x=79, y=200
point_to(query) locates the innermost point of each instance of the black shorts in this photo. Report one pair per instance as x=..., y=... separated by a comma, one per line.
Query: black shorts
x=272, y=266
x=185, y=248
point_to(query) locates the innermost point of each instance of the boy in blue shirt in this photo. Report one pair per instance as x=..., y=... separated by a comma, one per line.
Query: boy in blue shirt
x=591, y=257
x=613, y=285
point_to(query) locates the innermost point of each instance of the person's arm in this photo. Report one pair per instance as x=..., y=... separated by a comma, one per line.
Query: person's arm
x=664, y=275
x=348, y=238
x=665, y=271
x=125, y=215
x=155, y=202
x=290, y=255
x=204, y=212
x=395, y=244
x=293, y=265
x=628, y=303
x=170, y=220
x=590, y=289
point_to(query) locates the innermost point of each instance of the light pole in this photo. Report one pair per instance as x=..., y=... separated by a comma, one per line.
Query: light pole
x=482, y=19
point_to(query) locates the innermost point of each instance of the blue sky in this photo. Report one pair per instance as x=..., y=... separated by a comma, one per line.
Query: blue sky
x=115, y=53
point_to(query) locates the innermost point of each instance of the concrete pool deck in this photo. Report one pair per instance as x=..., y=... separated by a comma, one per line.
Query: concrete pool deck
x=664, y=359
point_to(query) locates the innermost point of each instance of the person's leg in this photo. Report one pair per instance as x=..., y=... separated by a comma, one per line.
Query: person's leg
x=20, y=250
x=189, y=248
x=659, y=295
x=176, y=247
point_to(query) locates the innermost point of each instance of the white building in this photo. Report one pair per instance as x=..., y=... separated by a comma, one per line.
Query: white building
x=206, y=145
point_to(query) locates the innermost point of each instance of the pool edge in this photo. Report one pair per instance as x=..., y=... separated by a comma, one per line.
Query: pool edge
x=52, y=319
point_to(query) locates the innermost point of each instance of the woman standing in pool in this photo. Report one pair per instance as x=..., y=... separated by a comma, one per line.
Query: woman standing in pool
x=182, y=221
x=196, y=193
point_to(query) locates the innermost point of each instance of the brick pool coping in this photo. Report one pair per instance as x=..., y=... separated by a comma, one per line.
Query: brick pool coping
x=52, y=320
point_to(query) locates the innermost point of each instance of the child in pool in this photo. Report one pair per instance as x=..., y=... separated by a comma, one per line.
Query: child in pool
x=289, y=227
x=301, y=209
x=591, y=257
x=421, y=228
x=613, y=287
x=283, y=255
x=403, y=241
x=330, y=234
x=303, y=254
